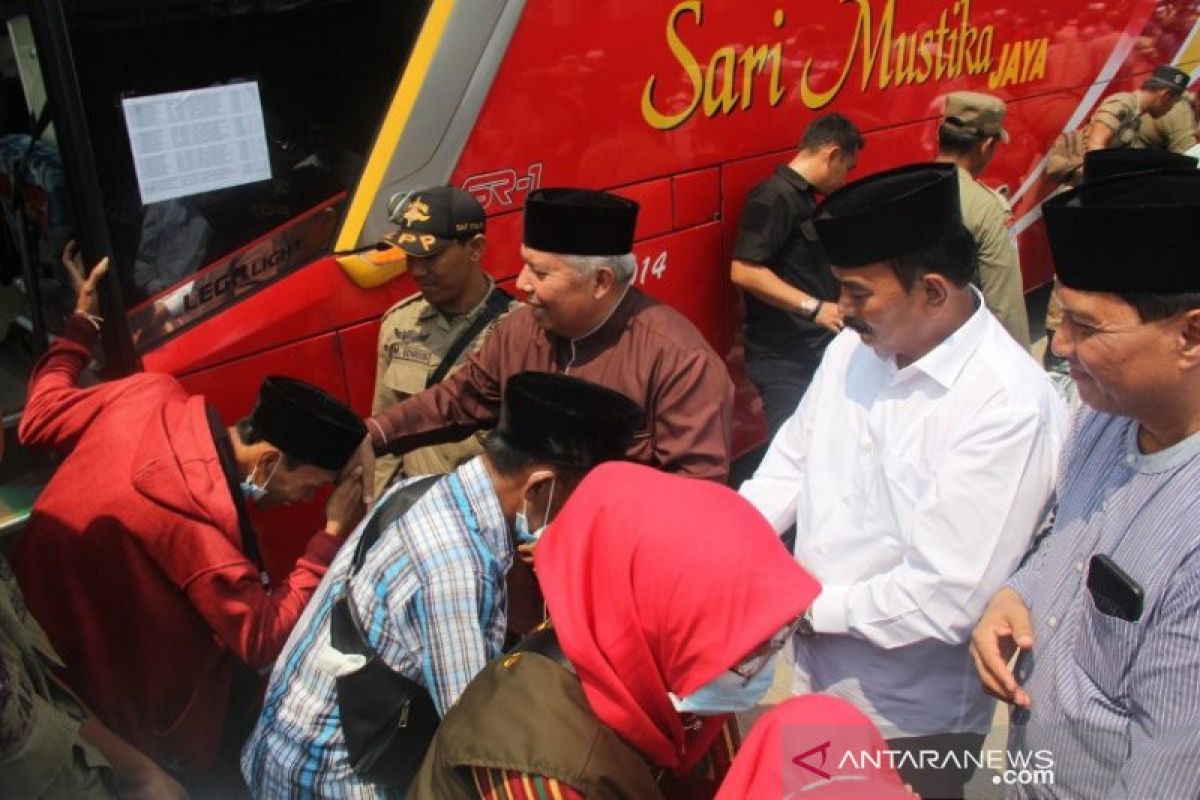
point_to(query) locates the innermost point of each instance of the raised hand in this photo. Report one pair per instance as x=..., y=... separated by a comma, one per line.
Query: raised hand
x=87, y=287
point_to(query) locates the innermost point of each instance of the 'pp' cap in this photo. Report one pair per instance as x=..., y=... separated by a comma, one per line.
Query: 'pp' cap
x=433, y=218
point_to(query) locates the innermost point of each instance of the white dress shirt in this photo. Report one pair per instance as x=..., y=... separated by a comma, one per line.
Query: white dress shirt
x=914, y=492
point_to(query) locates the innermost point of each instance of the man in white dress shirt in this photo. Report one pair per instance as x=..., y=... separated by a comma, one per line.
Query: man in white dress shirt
x=916, y=470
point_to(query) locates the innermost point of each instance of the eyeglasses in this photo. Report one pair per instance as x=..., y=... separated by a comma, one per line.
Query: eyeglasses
x=754, y=663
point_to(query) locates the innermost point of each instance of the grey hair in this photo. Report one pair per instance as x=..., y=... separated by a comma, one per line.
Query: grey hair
x=623, y=267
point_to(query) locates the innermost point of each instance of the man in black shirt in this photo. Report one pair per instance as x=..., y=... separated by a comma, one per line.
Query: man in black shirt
x=791, y=295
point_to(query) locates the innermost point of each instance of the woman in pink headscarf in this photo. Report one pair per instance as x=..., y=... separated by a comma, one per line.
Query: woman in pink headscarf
x=669, y=600
x=813, y=746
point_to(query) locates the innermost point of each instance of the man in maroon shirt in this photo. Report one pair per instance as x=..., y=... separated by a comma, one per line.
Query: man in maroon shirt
x=582, y=316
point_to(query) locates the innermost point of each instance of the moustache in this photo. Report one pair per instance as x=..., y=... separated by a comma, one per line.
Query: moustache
x=857, y=324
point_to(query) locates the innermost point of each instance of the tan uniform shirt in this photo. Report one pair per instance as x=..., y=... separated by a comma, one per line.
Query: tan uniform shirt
x=1120, y=114
x=413, y=338
x=1174, y=131
x=987, y=216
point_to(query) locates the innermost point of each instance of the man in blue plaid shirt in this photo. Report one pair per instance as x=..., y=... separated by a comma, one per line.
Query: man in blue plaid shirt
x=430, y=592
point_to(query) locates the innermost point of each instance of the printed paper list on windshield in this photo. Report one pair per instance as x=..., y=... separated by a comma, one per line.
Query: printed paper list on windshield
x=195, y=141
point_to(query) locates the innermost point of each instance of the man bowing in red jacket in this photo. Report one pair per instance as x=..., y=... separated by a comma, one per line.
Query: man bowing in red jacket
x=139, y=559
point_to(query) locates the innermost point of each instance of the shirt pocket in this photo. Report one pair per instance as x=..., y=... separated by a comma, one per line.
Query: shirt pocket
x=404, y=377
x=1105, y=648
x=898, y=487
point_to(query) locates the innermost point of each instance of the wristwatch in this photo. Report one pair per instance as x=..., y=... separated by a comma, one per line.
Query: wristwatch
x=809, y=308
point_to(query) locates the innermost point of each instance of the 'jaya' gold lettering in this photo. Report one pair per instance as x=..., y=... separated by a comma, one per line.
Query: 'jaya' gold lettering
x=1020, y=62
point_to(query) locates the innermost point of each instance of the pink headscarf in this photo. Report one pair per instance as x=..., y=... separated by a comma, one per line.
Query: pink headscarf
x=660, y=583
x=800, y=728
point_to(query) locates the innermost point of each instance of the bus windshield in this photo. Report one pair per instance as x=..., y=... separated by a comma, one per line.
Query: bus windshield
x=227, y=136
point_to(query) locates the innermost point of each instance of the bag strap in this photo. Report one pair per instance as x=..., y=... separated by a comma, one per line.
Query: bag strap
x=229, y=468
x=393, y=508
x=497, y=300
x=345, y=628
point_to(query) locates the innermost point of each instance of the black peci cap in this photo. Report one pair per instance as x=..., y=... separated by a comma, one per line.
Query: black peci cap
x=579, y=222
x=305, y=422
x=1128, y=234
x=566, y=420
x=889, y=214
x=1113, y=161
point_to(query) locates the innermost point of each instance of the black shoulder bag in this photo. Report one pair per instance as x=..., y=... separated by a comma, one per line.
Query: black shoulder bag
x=388, y=719
x=493, y=307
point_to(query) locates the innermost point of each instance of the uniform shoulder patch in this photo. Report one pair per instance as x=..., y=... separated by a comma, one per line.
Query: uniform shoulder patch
x=996, y=195
x=407, y=303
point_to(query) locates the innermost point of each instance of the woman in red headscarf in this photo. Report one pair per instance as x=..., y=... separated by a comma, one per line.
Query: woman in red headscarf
x=666, y=594
x=813, y=746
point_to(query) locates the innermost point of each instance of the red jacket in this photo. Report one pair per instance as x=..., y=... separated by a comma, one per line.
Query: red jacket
x=131, y=560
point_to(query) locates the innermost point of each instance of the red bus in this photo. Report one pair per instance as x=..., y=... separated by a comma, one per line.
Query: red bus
x=680, y=104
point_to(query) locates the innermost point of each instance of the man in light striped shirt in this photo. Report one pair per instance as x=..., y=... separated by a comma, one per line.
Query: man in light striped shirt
x=1106, y=613
x=430, y=592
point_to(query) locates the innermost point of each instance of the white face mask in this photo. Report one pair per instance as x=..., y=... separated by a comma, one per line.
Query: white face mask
x=251, y=490
x=521, y=520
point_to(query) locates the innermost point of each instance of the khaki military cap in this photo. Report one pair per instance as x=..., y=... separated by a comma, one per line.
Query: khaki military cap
x=975, y=114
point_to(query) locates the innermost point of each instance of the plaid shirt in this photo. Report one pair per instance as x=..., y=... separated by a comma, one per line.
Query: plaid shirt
x=431, y=596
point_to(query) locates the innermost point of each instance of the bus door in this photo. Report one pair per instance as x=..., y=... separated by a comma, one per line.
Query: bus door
x=208, y=148
x=37, y=218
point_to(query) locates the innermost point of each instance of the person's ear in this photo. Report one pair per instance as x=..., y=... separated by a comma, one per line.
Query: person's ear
x=605, y=281
x=268, y=462
x=475, y=246
x=1189, y=339
x=936, y=289
x=536, y=484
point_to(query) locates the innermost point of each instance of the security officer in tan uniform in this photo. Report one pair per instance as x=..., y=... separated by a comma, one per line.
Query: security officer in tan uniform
x=1118, y=120
x=425, y=337
x=1174, y=131
x=972, y=128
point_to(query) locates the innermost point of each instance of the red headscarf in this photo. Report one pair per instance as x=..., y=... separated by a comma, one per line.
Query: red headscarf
x=797, y=728
x=660, y=583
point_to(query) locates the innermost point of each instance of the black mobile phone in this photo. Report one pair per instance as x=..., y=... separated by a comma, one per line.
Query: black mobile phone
x=1114, y=592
